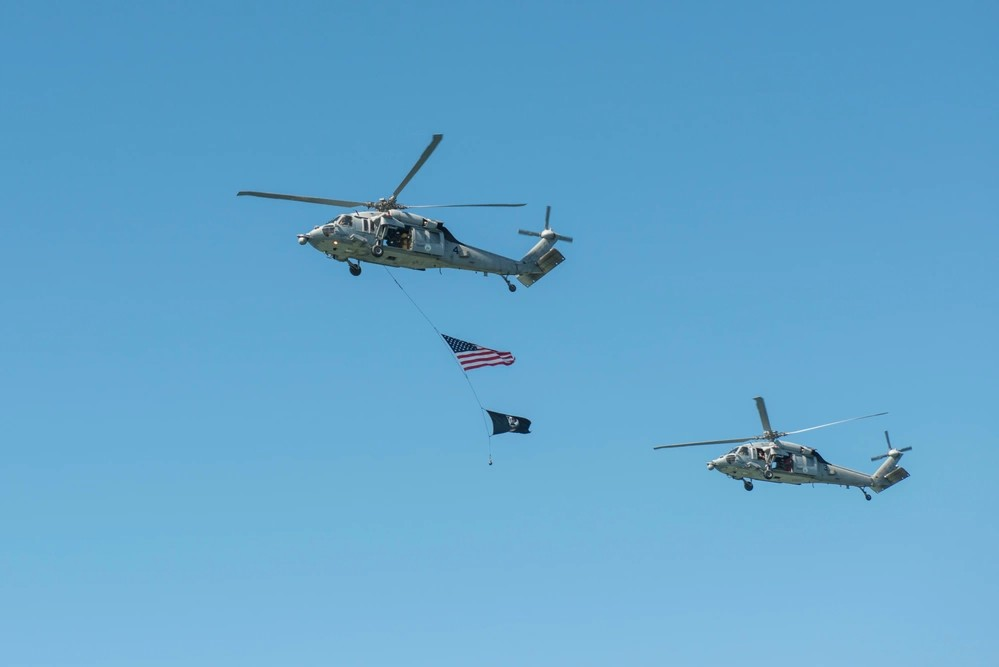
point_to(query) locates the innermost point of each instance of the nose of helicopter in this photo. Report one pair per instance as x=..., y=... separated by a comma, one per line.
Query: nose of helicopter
x=715, y=463
x=310, y=236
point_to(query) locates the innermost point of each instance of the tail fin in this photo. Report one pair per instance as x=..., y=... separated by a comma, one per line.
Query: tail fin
x=542, y=258
x=889, y=474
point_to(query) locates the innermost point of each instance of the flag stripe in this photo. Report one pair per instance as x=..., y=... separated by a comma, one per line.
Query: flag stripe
x=471, y=359
x=491, y=357
x=486, y=354
x=471, y=367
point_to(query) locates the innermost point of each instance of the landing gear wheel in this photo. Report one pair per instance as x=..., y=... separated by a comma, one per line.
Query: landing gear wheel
x=768, y=474
x=867, y=496
x=355, y=269
x=377, y=250
x=509, y=285
x=748, y=485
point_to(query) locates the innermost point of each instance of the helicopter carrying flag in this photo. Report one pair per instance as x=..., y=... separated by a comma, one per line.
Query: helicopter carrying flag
x=472, y=356
x=503, y=423
x=389, y=234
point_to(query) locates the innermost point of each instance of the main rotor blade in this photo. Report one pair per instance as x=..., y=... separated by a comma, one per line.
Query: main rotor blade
x=459, y=205
x=841, y=421
x=707, y=442
x=344, y=203
x=419, y=163
x=548, y=214
x=761, y=407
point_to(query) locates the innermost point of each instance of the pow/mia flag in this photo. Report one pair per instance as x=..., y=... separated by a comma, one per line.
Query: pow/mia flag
x=508, y=423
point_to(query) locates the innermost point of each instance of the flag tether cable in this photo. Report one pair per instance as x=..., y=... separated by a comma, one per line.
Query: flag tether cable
x=440, y=336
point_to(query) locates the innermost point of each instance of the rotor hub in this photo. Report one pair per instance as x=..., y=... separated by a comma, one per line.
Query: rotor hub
x=385, y=205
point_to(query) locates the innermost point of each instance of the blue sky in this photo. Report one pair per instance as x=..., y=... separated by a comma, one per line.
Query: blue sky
x=219, y=448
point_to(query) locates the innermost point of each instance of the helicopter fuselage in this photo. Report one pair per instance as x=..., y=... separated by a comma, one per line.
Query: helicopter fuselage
x=783, y=462
x=770, y=458
x=403, y=239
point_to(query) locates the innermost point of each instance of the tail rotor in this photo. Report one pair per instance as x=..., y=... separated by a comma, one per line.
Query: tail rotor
x=547, y=233
x=891, y=450
x=542, y=258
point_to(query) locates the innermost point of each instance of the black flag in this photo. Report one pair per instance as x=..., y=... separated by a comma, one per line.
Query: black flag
x=508, y=423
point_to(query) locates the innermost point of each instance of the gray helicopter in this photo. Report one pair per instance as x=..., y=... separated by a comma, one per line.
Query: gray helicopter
x=770, y=458
x=388, y=234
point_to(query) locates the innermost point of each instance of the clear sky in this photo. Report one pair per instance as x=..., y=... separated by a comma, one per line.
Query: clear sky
x=219, y=448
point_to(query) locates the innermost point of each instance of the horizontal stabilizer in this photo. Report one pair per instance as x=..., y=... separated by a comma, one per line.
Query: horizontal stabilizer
x=891, y=479
x=548, y=261
x=897, y=475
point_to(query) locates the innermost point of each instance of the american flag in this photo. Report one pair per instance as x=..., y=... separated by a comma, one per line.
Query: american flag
x=472, y=356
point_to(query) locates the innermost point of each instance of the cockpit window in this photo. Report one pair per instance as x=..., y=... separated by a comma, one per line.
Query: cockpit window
x=744, y=450
x=346, y=221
